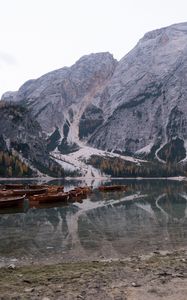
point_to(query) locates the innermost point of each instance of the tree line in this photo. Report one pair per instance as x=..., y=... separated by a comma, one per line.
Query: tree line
x=117, y=167
x=11, y=165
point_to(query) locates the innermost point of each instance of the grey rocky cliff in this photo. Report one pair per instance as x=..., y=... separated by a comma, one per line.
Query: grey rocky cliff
x=146, y=97
x=56, y=96
x=20, y=132
x=9, y=96
x=132, y=106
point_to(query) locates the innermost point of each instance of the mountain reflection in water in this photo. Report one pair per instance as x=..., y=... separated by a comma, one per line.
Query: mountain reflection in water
x=150, y=215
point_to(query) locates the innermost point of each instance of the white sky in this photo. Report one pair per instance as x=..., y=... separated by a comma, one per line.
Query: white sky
x=38, y=36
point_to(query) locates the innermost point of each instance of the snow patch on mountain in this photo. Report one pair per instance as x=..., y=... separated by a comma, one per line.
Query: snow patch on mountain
x=146, y=149
x=156, y=154
x=77, y=161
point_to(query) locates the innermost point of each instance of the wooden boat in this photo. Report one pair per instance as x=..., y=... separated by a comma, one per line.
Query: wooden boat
x=12, y=201
x=6, y=193
x=55, y=188
x=85, y=189
x=29, y=192
x=47, y=197
x=10, y=186
x=50, y=188
x=79, y=193
x=108, y=188
x=74, y=194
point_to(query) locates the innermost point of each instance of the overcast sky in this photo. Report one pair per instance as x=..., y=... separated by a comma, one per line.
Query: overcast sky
x=37, y=36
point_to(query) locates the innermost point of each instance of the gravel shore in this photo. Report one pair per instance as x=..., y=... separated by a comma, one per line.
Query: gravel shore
x=155, y=276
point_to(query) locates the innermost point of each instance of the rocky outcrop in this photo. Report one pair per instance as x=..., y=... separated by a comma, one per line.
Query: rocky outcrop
x=135, y=106
x=90, y=120
x=56, y=96
x=9, y=96
x=19, y=132
x=145, y=100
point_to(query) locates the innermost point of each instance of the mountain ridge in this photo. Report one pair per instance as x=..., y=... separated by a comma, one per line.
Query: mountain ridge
x=136, y=106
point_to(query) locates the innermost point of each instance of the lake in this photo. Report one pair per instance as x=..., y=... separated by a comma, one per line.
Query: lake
x=150, y=216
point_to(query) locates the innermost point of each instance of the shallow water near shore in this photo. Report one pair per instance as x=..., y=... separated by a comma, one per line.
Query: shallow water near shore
x=150, y=216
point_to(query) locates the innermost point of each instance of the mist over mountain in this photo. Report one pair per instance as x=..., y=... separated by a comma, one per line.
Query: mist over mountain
x=135, y=107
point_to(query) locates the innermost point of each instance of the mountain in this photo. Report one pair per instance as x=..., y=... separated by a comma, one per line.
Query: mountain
x=62, y=96
x=146, y=97
x=23, y=147
x=135, y=107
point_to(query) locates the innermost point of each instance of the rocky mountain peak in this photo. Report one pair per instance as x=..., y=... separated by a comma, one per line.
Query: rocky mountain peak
x=100, y=58
x=147, y=94
x=170, y=31
x=53, y=95
x=136, y=106
x=9, y=96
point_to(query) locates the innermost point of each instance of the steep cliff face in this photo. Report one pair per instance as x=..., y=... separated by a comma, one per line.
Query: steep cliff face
x=136, y=106
x=62, y=94
x=22, y=136
x=146, y=98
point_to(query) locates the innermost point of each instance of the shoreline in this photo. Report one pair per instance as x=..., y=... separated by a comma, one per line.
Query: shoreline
x=160, y=275
x=176, y=178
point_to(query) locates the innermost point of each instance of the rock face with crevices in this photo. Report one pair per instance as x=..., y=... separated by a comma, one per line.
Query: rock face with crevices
x=146, y=99
x=58, y=95
x=136, y=106
x=20, y=132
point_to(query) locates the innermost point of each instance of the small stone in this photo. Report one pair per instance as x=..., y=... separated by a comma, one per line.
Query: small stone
x=164, y=273
x=29, y=290
x=183, y=260
x=163, y=281
x=180, y=275
x=135, y=284
x=49, y=278
x=11, y=266
x=26, y=280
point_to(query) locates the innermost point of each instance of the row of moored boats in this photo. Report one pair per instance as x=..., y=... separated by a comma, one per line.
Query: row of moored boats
x=15, y=194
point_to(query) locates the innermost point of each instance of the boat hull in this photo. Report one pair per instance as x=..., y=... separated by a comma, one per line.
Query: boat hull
x=12, y=201
x=48, y=198
x=29, y=192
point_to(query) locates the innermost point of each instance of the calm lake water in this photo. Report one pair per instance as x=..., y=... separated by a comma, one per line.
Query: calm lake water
x=151, y=215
